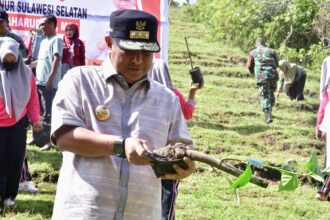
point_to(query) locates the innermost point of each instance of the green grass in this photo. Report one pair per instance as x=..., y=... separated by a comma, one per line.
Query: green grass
x=228, y=123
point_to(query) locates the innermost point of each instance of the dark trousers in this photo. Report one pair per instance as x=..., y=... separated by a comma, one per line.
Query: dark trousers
x=46, y=100
x=169, y=194
x=296, y=90
x=12, y=152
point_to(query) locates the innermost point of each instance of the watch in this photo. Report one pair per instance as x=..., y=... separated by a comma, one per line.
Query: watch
x=119, y=147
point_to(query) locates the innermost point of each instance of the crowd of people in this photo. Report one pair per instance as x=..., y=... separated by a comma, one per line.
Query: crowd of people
x=104, y=119
x=56, y=101
x=35, y=71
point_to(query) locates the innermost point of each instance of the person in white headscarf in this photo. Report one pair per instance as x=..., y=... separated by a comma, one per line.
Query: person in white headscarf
x=19, y=106
x=292, y=78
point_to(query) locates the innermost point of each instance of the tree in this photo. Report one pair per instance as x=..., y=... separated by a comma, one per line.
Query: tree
x=285, y=24
x=322, y=23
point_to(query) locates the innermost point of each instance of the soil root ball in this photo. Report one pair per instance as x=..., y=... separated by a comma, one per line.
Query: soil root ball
x=163, y=159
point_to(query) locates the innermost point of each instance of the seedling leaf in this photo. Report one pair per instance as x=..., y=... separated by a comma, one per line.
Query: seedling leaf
x=317, y=177
x=243, y=179
x=312, y=165
x=289, y=182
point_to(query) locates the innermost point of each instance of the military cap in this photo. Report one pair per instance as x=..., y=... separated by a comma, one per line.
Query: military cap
x=134, y=30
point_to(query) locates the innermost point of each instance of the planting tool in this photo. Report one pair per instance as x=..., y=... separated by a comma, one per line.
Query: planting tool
x=195, y=72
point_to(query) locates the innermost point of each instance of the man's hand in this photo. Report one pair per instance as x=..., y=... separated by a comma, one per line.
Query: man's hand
x=37, y=126
x=33, y=64
x=182, y=173
x=135, y=149
x=49, y=85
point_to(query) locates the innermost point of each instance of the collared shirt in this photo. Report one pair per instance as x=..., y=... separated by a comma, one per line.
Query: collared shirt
x=49, y=47
x=110, y=187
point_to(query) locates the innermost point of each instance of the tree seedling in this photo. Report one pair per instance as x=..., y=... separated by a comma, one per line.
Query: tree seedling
x=164, y=158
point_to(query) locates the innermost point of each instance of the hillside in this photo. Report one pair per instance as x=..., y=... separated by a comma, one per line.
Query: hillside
x=228, y=123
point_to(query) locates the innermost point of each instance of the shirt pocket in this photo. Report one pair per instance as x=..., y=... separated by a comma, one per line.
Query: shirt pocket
x=154, y=122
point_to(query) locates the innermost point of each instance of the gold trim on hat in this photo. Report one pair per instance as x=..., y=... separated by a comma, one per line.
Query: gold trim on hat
x=140, y=25
x=145, y=35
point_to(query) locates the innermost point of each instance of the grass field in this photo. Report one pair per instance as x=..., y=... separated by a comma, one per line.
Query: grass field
x=228, y=124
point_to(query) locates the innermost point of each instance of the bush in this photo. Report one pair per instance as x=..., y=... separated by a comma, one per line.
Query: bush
x=287, y=26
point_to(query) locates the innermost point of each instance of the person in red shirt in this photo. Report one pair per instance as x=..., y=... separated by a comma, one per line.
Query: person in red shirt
x=160, y=73
x=16, y=111
x=73, y=50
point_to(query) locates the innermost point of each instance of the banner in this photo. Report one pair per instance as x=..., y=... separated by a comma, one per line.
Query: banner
x=91, y=16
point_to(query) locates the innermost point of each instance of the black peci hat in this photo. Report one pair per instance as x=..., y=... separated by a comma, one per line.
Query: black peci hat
x=134, y=30
x=3, y=15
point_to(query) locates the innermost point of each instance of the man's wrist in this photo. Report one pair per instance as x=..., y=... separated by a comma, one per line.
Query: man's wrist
x=119, y=147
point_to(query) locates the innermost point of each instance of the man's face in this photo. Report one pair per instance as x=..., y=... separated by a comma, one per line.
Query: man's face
x=3, y=27
x=133, y=65
x=46, y=27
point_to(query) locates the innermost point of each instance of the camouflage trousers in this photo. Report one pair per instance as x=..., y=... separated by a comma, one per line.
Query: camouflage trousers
x=266, y=94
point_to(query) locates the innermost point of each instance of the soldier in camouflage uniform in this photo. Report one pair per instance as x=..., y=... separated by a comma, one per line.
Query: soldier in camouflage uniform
x=5, y=32
x=263, y=62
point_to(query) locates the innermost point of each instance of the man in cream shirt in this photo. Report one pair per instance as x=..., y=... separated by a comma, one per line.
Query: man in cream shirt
x=105, y=118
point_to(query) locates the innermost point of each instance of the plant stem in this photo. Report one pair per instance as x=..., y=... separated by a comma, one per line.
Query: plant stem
x=204, y=158
x=285, y=171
